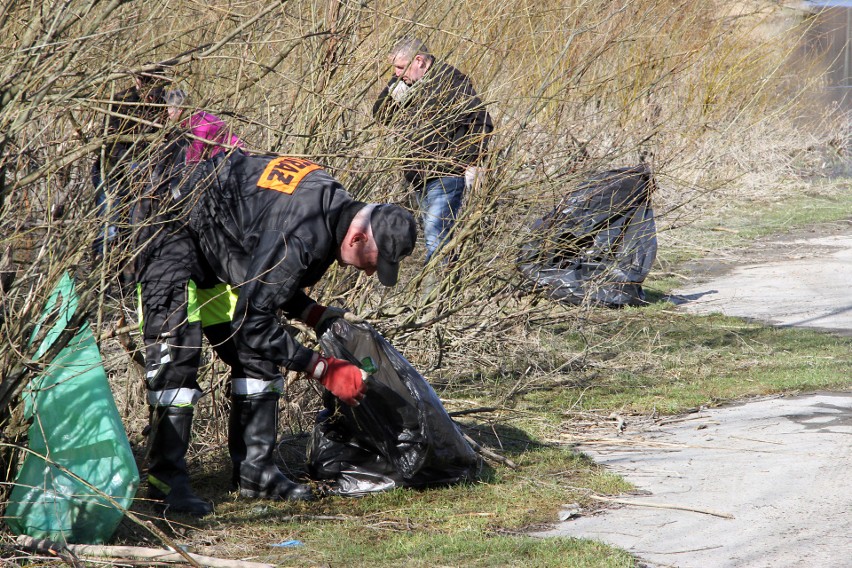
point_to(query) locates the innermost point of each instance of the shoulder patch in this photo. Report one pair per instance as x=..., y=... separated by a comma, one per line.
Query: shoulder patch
x=284, y=174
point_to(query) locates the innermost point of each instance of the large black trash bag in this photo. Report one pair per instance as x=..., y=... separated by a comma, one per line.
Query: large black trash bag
x=599, y=243
x=399, y=436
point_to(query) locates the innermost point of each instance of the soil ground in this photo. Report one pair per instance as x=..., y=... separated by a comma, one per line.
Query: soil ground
x=759, y=484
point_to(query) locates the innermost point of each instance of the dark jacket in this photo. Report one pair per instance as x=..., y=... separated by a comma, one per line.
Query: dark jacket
x=131, y=114
x=269, y=241
x=443, y=124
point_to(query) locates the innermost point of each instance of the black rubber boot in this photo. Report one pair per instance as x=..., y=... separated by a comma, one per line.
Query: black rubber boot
x=252, y=433
x=168, y=481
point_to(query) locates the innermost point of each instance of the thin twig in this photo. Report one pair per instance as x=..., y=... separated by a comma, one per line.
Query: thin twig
x=661, y=506
x=489, y=453
x=110, y=333
x=473, y=411
x=136, y=553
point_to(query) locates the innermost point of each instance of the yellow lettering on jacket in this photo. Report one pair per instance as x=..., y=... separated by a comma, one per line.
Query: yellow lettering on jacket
x=284, y=174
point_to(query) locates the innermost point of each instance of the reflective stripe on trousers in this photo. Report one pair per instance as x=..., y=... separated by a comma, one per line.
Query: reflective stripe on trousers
x=189, y=396
x=174, y=397
x=248, y=387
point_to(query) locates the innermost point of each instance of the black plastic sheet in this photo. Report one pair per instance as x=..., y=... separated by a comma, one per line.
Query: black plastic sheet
x=598, y=244
x=399, y=436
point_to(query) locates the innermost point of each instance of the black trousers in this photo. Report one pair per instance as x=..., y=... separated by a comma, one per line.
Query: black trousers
x=170, y=264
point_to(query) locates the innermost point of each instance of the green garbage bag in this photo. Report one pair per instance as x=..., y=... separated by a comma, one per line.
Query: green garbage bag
x=76, y=432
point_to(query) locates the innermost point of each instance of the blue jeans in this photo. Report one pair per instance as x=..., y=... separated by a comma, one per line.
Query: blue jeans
x=110, y=196
x=440, y=204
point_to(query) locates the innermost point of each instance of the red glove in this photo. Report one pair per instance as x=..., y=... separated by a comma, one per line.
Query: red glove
x=343, y=379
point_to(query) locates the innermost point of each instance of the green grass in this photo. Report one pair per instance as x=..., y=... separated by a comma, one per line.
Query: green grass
x=669, y=362
x=464, y=548
x=477, y=524
x=739, y=223
x=751, y=221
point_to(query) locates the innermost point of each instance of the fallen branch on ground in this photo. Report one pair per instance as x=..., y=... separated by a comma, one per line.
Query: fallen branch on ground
x=472, y=411
x=641, y=444
x=133, y=553
x=115, y=332
x=488, y=453
x=661, y=506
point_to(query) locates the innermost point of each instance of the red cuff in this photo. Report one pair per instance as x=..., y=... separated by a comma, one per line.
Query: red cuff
x=314, y=313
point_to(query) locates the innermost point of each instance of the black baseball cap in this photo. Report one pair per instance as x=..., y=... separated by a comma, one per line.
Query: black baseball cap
x=395, y=233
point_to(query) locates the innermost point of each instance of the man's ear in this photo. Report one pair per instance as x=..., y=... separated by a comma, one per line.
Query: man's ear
x=357, y=237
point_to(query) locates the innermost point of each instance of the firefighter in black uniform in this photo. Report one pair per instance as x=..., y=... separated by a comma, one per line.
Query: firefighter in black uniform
x=268, y=226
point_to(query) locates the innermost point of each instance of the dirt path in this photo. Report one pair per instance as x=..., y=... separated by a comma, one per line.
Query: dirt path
x=760, y=484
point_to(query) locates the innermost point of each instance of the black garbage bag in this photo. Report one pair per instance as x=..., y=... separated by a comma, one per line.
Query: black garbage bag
x=399, y=436
x=599, y=243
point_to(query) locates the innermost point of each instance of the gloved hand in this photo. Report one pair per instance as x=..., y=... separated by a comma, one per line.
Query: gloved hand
x=472, y=176
x=400, y=91
x=316, y=314
x=343, y=379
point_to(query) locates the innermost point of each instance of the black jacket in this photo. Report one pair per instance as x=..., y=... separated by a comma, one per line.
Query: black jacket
x=132, y=113
x=443, y=124
x=271, y=242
